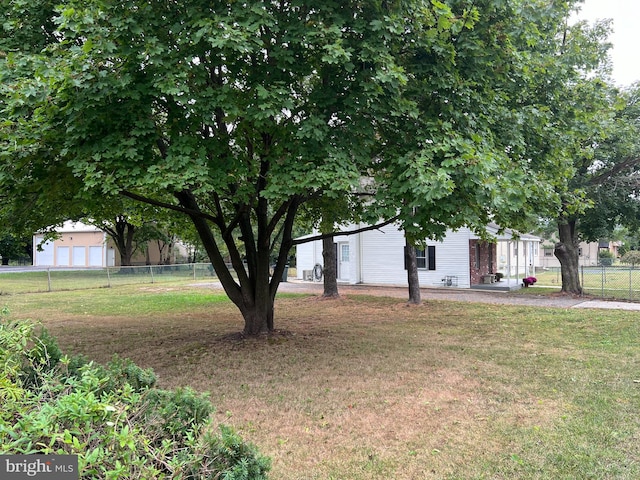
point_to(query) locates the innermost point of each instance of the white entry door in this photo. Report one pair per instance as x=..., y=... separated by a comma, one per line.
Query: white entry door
x=344, y=261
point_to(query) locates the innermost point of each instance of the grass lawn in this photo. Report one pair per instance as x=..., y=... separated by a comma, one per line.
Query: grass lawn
x=370, y=388
x=57, y=279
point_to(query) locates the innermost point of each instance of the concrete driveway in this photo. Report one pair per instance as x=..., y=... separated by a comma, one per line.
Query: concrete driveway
x=464, y=295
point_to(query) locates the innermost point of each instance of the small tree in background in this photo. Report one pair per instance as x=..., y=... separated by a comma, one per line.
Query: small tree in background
x=13, y=247
x=605, y=258
x=632, y=258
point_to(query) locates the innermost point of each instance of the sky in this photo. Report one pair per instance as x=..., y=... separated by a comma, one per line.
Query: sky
x=625, y=37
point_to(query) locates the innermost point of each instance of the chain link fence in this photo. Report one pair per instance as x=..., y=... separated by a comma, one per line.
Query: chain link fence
x=617, y=281
x=621, y=282
x=34, y=279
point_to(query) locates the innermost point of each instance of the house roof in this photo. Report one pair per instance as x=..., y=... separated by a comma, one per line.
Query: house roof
x=507, y=234
x=70, y=226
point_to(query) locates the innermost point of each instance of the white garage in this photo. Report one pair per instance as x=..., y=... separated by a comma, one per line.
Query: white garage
x=77, y=245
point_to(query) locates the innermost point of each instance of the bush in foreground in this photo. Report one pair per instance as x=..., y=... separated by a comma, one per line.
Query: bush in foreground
x=111, y=416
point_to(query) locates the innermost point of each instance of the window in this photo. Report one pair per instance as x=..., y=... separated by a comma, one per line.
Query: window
x=426, y=259
x=344, y=252
x=548, y=252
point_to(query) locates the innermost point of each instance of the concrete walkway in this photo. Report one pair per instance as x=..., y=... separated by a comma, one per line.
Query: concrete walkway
x=608, y=305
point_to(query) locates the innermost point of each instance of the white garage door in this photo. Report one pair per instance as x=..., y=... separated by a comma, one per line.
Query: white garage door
x=79, y=256
x=62, y=260
x=95, y=256
x=44, y=257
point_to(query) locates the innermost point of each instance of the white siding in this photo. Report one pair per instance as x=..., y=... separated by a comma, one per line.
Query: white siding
x=383, y=258
x=377, y=257
x=307, y=256
x=452, y=259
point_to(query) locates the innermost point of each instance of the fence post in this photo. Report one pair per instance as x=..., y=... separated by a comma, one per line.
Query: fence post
x=194, y=271
x=630, y=286
x=151, y=272
x=602, y=281
x=582, y=272
x=108, y=278
x=49, y=278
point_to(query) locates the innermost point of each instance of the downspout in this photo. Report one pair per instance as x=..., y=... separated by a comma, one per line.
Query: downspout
x=509, y=261
x=359, y=240
x=517, y=261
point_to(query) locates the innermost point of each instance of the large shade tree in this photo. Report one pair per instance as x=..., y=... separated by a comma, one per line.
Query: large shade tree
x=491, y=140
x=598, y=128
x=484, y=143
x=237, y=113
x=607, y=176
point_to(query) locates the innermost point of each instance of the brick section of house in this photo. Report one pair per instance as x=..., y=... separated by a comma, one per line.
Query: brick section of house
x=482, y=259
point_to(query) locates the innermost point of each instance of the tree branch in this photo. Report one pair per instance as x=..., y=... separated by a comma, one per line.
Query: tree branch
x=342, y=234
x=170, y=206
x=629, y=163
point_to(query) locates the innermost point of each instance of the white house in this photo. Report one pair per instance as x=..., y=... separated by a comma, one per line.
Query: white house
x=518, y=258
x=461, y=259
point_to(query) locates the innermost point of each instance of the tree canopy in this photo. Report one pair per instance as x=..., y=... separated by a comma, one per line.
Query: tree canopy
x=606, y=174
x=437, y=113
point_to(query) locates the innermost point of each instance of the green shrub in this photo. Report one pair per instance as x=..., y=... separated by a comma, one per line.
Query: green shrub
x=606, y=258
x=110, y=416
x=121, y=371
x=227, y=452
x=175, y=414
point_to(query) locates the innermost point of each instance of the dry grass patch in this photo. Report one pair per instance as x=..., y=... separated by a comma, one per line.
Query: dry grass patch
x=369, y=388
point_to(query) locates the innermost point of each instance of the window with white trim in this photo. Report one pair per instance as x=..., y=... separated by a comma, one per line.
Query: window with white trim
x=426, y=258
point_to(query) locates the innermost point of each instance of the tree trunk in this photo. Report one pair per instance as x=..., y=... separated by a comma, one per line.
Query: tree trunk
x=566, y=250
x=125, y=258
x=257, y=309
x=412, y=274
x=330, y=271
x=252, y=290
x=124, y=243
x=253, y=293
x=122, y=234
